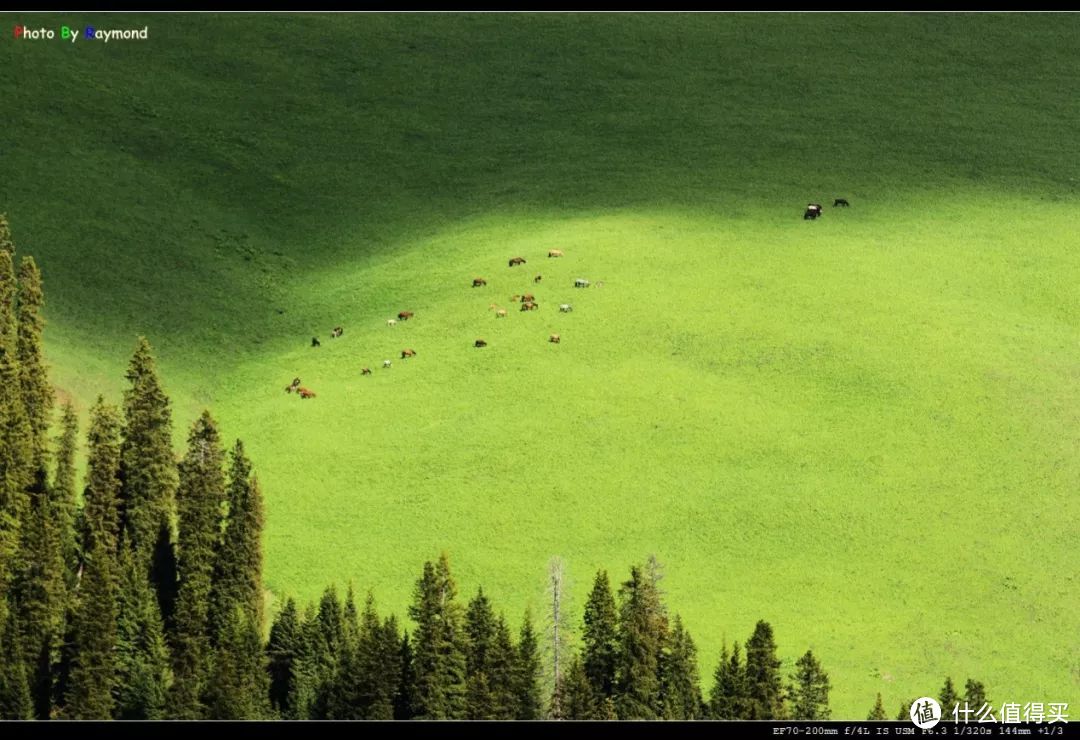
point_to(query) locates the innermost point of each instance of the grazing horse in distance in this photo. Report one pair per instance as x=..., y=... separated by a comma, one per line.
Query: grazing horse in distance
x=337, y=332
x=405, y=315
x=581, y=283
x=527, y=298
x=391, y=322
x=478, y=282
x=480, y=343
x=841, y=202
x=386, y=363
x=529, y=306
x=565, y=308
x=554, y=339
x=315, y=342
x=305, y=393
x=408, y=353
x=555, y=253
x=538, y=278
x=517, y=261
x=501, y=313
x=813, y=210
x=365, y=371
x=296, y=382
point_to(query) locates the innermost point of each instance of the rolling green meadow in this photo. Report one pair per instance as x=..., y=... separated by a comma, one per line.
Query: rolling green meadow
x=864, y=429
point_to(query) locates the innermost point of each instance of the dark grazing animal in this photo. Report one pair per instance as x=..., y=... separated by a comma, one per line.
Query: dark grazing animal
x=315, y=342
x=538, y=278
x=529, y=306
x=813, y=210
x=296, y=382
x=480, y=343
x=478, y=282
x=405, y=315
x=841, y=202
x=365, y=371
x=408, y=353
x=528, y=297
x=554, y=339
x=337, y=332
x=517, y=261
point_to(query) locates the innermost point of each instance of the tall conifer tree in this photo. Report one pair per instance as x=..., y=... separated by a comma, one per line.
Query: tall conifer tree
x=93, y=673
x=199, y=500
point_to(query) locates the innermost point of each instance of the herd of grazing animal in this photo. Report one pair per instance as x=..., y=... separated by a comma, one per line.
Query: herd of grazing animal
x=813, y=210
x=527, y=300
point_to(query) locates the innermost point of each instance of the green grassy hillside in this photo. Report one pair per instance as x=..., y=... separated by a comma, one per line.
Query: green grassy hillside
x=863, y=429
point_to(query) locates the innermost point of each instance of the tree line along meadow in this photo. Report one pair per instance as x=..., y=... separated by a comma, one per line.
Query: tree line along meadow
x=143, y=597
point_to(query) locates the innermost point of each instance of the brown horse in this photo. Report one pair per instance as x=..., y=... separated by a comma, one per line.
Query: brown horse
x=555, y=253
x=517, y=261
x=478, y=282
x=554, y=339
x=480, y=343
x=529, y=306
x=405, y=315
x=305, y=393
x=365, y=371
x=528, y=298
x=408, y=353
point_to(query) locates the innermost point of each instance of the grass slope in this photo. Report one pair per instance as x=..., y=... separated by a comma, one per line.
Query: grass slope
x=863, y=429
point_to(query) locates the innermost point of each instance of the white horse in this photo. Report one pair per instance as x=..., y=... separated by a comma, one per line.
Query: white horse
x=565, y=308
x=391, y=322
x=386, y=363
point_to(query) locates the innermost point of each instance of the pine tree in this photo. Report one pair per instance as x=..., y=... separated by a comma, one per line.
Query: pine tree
x=809, y=689
x=93, y=673
x=149, y=472
x=327, y=636
x=199, y=500
x=502, y=666
x=680, y=688
x=949, y=699
x=527, y=672
x=905, y=711
x=764, y=690
x=877, y=714
x=373, y=674
x=578, y=701
x=143, y=660
x=405, y=699
x=974, y=695
x=62, y=493
x=16, y=438
x=283, y=650
x=728, y=698
x=37, y=394
x=15, y=699
x=239, y=685
x=238, y=562
x=480, y=639
x=438, y=645
x=642, y=635
x=600, y=637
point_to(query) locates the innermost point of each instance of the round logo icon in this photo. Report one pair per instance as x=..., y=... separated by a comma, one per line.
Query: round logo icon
x=925, y=713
